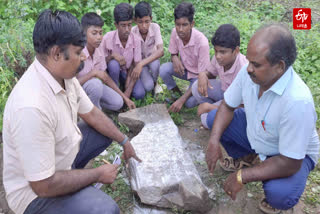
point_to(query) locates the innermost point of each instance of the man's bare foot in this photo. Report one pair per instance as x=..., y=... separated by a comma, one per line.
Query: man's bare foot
x=205, y=108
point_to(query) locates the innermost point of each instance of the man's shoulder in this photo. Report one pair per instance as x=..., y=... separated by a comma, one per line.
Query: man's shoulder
x=174, y=32
x=110, y=34
x=135, y=29
x=154, y=26
x=297, y=89
x=31, y=91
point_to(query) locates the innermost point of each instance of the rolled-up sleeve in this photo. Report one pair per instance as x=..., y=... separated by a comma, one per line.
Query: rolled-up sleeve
x=233, y=95
x=158, y=38
x=204, y=57
x=173, y=44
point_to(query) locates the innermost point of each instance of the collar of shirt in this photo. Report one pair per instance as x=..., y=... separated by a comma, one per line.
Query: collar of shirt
x=129, y=41
x=234, y=66
x=280, y=85
x=86, y=52
x=97, y=53
x=191, y=41
x=52, y=82
x=149, y=35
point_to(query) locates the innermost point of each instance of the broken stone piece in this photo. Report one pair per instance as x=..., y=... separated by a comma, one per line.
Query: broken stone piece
x=166, y=177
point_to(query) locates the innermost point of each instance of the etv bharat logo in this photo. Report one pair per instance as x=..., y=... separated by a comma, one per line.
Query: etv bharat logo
x=301, y=18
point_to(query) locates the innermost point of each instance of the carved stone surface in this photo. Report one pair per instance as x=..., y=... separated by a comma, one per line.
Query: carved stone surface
x=166, y=177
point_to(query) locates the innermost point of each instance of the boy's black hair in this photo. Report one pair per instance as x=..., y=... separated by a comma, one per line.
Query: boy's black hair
x=226, y=36
x=91, y=19
x=184, y=10
x=57, y=28
x=142, y=9
x=123, y=12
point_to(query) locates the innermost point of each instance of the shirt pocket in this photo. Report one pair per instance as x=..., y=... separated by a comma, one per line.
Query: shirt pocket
x=151, y=43
x=269, y=133
x=190, y=58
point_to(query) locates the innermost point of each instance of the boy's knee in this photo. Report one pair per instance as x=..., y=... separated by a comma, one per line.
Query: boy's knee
x=155, y=65
x=93, y=88
x=113, y=66
x=148, y=86
x=139, y=94
x=118, y=103
x=164, y=69
x=210, y=118
x=194, y=89
x=191, y=102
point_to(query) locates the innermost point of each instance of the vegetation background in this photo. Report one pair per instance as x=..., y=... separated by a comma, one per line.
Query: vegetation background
x=17, y=19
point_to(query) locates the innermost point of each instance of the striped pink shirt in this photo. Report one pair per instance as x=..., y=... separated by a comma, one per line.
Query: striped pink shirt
x=97, y=62
x=112, y=44
x=228, y=76
x=195, y=55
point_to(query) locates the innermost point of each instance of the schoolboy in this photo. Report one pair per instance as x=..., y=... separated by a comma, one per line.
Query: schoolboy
x=151, y=46
x=123, y=52
x=94, y=79
x=225, y=64
x=189, y=50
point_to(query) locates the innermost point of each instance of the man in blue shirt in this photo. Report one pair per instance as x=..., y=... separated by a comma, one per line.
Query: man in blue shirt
x=278, y=123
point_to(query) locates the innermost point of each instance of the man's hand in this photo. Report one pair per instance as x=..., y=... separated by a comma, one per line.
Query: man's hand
x=129, y=103
x=231, y=186
x=108, y=173
x=203, y=84
x=177, y=66
x=120, y=59
x=176, y=106
x=128, y=152
x=135, y=74
x=213, y=154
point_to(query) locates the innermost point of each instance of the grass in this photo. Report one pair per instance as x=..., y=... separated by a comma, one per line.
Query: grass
x=119, y=190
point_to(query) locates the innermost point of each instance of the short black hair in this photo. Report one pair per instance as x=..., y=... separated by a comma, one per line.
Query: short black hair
x=123, y=12
x=184, y=10
x=227, y=36
x=142, y=9
x=91, y=19
x=57, y=28
x=282, y=45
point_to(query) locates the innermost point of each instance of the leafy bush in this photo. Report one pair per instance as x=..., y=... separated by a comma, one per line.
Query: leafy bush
x=17, y=19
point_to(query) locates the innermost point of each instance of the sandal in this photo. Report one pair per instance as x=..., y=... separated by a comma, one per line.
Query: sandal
x=266, y=208
x=231, y=165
